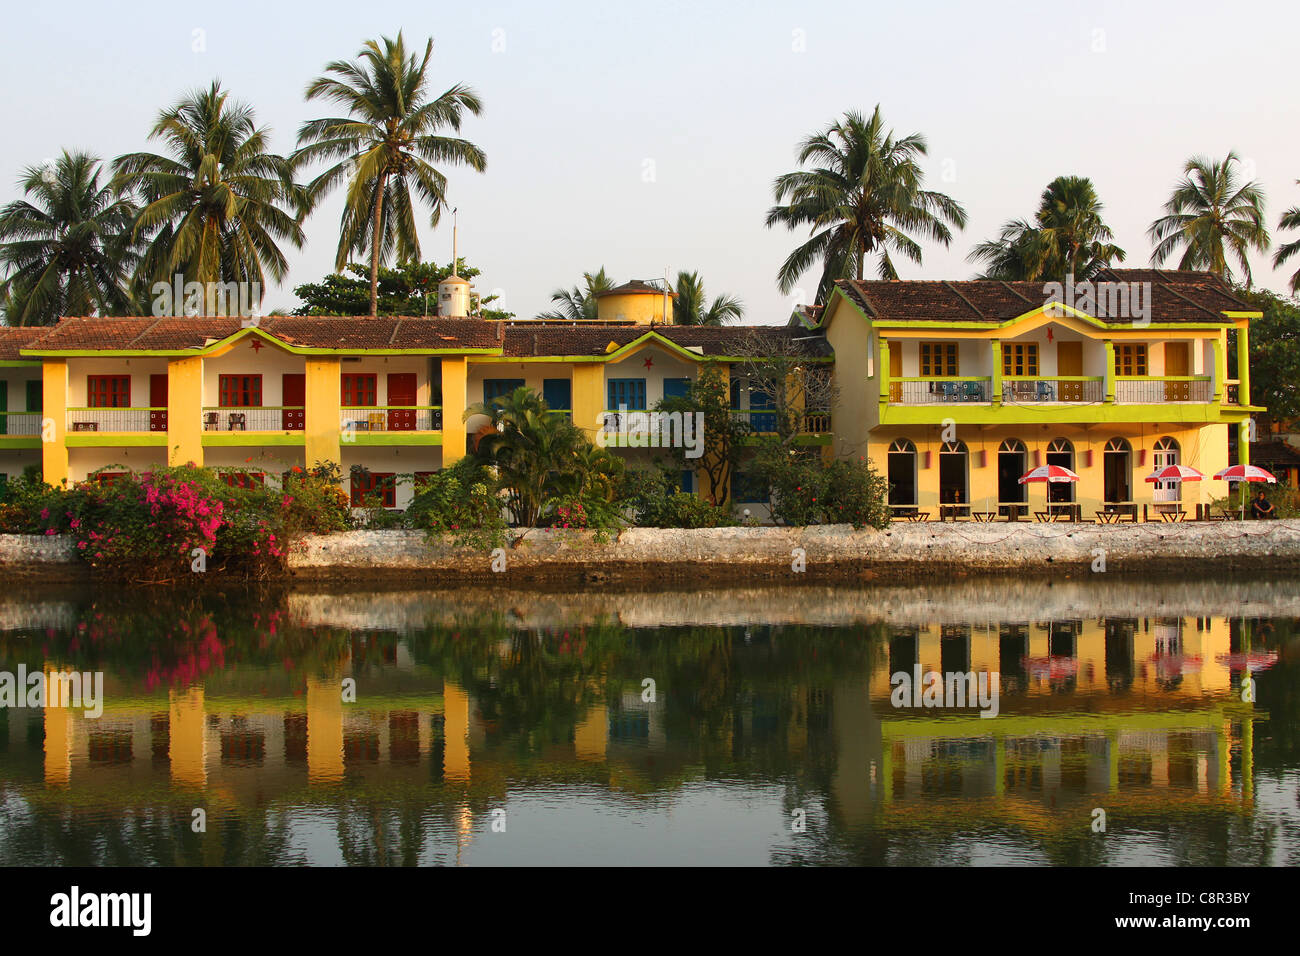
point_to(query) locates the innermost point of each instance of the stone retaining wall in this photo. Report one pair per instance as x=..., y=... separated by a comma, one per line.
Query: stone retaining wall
x=927, y=551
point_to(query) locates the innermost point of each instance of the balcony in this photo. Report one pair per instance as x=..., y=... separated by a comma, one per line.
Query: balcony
x=1161, y=390
x=117, y=420
x=1024, y=390
x=391, y=418
x=250, y=418
x=928, y=390
x=23, y=424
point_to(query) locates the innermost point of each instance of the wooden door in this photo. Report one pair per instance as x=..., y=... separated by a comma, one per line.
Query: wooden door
x=1177, y=362
x=401, y=392
x=293, y=396
x=158, y=399
x=895, y=371
x=1069, y=361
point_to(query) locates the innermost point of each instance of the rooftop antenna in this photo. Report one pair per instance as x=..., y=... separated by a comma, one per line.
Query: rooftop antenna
x=454, y=259
x=668, y=284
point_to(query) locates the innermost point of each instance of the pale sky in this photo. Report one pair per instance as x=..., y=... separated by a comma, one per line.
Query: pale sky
x=645, y=136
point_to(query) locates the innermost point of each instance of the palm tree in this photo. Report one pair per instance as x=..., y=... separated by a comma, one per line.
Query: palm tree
x=67, y=249
x=1068, y=237
x=1290, y=220
x=862, y=197
x=532, y=449
x=579, y=303
x=219, y=203
x=384, y=147
x=1212, y=215
x=691, y=306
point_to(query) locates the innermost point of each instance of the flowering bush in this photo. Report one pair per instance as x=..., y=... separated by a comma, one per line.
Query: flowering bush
x=457, y=501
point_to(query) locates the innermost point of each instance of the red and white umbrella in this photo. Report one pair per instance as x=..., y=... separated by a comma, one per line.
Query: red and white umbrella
x=1175, y=473
x=1052, y=473
x=1245, y=473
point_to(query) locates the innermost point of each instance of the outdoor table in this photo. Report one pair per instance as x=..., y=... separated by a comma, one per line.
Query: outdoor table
x=919, y=516
x=1046, y=516
x=982, y=515
x=1173, y=515
x=1108, y=517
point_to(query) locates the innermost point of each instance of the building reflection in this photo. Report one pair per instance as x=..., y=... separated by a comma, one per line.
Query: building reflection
x=1141, y=714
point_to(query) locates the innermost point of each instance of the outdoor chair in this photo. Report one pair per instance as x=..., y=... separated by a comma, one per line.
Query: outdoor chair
x=210, y=423
x=1046, y=392
x=375, y=422
x=237, y=422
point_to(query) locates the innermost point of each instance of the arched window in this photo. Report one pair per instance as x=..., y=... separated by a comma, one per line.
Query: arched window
x=1117, y=475
x=1060, y=451
x=1166, y=453
x=901, y=462
x=954, y=475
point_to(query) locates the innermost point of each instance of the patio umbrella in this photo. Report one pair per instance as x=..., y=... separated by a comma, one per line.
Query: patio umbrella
x=1175, y=473
x=1244, y=473
x=1049, y=473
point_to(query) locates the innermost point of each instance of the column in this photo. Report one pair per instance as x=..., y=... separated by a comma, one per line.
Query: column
x=54, y=423
x=185, y=411
x=455, y=372
x=997, y=371
x=588, y=396
x=321, y=415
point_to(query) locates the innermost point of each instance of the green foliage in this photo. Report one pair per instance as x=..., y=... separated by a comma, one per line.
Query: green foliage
x=402, y=291
x=691, y=306
x=804, y=491
x=382, y=151
x=579, y=303
x=1274, y=353
x=66, y=249
x=1067, y=237
x=217, y=205
x=458, y=502
x=862, y=197
x=543, y=461
x=724, y=432
x=1212, y=216
x=655, y=501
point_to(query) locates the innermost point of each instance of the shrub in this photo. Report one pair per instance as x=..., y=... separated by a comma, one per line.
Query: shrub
x=457, y=501
x=656, y=502
x=804, y=491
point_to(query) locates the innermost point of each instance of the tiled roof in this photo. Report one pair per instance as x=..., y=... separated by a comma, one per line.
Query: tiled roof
x=522, y=340
x=331, y=332
x=12, y=338
x=1175, y=296
x=1276, y=453
x=380, y=334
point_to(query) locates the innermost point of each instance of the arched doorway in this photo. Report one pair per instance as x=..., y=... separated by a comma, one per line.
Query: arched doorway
x=902, y=475
x=1060, y=494
x=1117, y=476
x=1167, y=453
x=1013, y=461
x=954, y=473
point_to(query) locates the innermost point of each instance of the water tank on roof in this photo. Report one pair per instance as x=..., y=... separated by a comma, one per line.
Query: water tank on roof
x=454, y=297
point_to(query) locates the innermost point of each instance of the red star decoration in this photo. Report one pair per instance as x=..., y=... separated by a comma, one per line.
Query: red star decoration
x=257, y=345
x=1049, y=333
x=649, y=362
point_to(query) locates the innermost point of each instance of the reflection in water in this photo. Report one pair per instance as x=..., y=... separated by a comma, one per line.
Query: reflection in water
x=396, y=728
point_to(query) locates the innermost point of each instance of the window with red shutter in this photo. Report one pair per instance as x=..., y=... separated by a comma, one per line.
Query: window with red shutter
x=108, y=391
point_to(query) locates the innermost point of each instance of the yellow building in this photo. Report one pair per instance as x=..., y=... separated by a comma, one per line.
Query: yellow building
x=956, y=389
x=951, y=389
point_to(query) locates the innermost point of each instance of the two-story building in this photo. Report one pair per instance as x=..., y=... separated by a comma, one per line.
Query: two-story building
x=956, y=389
x=952, y=389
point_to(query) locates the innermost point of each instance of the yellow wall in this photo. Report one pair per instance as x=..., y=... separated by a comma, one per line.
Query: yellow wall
x=54, y=454
x=324, y=729
x=588, y=396
x=639, y=307
x=455, y=398
x=1203, y=447
x=321, y=417
x=187, y=746
x=184, y=411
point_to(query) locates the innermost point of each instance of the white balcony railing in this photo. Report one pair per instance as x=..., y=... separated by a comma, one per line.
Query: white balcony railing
x=1022, y=390
x=940, y=391
x=1159, y=390
x=391, y=418
x=253, y=419
x=20, y=423
x=117, y=419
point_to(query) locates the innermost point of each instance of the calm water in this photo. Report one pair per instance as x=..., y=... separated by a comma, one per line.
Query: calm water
x=509, y=727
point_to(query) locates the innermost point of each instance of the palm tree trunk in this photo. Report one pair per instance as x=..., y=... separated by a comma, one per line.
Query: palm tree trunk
x=374, y=248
